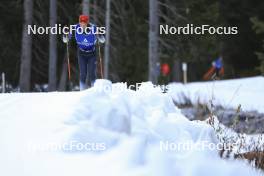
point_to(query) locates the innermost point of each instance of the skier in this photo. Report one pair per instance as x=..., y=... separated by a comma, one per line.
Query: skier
x=219, y=69
x=165, y=73
x=86, y=42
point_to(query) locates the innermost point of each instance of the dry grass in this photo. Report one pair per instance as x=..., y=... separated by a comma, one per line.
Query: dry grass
x=255, y=158
x=255, y=154
x=236, y=143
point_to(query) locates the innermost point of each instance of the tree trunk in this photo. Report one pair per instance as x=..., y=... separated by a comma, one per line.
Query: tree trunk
x=177, y=71
x=95, y=12
x=53, y=48
x=64, y=75
x=107, y=43
x=26, y=50
x=85, y=7
x=153, y=41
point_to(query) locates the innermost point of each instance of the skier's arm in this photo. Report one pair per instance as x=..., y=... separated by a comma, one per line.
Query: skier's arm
x=67, y=37
x=101, y=39
x=213, y=63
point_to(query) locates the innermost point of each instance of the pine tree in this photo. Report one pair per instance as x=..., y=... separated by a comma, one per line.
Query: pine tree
x=258, y=26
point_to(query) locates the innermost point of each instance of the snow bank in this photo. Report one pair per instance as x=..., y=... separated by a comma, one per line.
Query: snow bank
x=98, y=132
x=240, y=142
x=249, y=92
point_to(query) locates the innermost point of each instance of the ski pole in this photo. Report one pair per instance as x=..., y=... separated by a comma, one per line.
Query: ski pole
x=68, y=61
x=100, y=60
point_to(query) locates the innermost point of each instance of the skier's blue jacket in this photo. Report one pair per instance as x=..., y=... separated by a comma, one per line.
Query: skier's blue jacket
x=218, y=63
x=85, y=41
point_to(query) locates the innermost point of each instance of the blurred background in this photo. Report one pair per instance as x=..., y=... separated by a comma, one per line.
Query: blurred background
x=136, y=52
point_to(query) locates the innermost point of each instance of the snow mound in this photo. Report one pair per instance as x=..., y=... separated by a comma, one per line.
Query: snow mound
x=105, y=131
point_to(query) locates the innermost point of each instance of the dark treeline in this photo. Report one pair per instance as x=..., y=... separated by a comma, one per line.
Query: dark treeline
x=129, y=40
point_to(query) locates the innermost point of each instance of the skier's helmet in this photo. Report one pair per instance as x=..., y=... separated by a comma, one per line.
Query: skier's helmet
x=84, y=19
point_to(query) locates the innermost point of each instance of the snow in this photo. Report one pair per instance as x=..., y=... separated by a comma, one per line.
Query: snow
x=241, y=142
x=247, y=92
x=118, y=133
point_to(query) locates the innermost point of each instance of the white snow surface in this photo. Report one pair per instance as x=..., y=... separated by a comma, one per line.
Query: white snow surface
x=247, y=92
x=128, y=128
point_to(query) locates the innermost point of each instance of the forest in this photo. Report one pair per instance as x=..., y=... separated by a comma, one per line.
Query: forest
x=128, y=56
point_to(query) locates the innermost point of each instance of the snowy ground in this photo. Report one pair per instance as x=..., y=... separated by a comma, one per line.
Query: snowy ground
x=247, y=92
x=97, y=132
